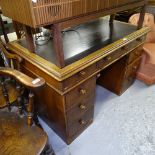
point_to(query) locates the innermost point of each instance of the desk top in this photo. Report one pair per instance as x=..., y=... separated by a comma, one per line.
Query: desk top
x=83, y=40
x=83, y=47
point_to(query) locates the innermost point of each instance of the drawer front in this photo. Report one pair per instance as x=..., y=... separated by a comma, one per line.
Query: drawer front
x=80, y=108
x=136, y=53
x=130, y=75
x=85, y=73
x=118, y=53
x=79, y=125
x=135, y=43
x=132, y=68
x=80, y=93
x=110, y=58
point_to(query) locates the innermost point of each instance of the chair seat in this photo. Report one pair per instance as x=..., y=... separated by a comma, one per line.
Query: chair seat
x=149, y=48
x=147, y=74
x=17, y=138
x=12, y=92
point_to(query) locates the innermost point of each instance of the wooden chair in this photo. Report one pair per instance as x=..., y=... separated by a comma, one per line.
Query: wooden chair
x=19, y=135
x=8, y=93
x=146, y=72
x=3, y=28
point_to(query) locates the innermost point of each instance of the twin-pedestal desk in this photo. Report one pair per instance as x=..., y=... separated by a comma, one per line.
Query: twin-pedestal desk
x=108, y=54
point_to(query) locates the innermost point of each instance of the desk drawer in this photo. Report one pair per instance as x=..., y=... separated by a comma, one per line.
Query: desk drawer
x=130, y=75
x=111, y=58
x=118, y=53
x=79, y=76
x=136, y=53
x=80, y=108
x=79, y=124
x=135, y=43
x=81, y=94
x=132, y=68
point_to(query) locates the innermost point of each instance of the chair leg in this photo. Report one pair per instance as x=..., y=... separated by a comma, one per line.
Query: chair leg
x=48, y=150
x=36, y=120
x=3, y=30
x=19, y=100
x=5, y=93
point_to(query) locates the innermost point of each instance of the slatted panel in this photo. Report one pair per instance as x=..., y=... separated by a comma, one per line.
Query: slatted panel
x=18, y=10
x=48, y=11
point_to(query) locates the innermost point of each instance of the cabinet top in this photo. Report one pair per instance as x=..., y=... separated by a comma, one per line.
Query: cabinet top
x=104, y=40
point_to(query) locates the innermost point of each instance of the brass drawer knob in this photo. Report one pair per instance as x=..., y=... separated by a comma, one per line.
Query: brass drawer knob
x=82, y=122
x=82, y=73
x=137, y=52
x=82, y=107
x=134, y=67
x=83, y=91
x=98, y=75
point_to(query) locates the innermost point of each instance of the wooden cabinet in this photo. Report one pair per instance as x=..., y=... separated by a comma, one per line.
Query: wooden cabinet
x=120, y=76
x=79, y=107
x=66, y=103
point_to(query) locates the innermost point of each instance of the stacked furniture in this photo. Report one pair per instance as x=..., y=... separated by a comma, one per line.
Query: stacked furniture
x=60, y=14
x=71, y=63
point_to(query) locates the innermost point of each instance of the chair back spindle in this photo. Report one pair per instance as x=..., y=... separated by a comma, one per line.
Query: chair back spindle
x=5, y=93
x=30, y=108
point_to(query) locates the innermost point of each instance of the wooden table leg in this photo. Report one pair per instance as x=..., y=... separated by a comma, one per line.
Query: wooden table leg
x=29, y=38
x=58, y=45
x=141, y=18
x=112, y=18
x=17, y=30
x=3, y=30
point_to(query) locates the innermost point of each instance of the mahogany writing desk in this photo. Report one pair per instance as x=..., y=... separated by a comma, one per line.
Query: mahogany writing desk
x=109, y=52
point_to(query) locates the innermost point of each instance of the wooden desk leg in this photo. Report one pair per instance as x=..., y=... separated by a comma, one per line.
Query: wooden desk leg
x=58, y=46
x=15, y=25
x=112, y=18
x=29, y=38
x=3, y=30
x=141, y=18
x=111, y=26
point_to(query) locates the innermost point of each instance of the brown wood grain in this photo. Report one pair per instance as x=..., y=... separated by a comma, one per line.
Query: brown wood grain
x=49, y=12
x=26, y=81
x=18, y=138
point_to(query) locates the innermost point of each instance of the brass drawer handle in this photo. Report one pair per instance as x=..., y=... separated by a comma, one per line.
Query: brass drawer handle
x=108, y=58
x=125, y=48
x=83, y=91
x=139, y=39
x=82, y=107
x=129, y=79
x=137, y=52
x=82, y=122
x=82, y=73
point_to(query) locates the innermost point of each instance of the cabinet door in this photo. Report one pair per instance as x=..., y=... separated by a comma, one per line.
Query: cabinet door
x=112, y=77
